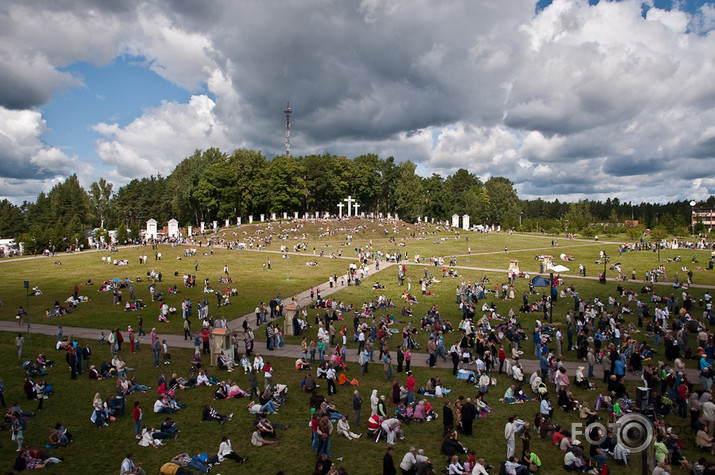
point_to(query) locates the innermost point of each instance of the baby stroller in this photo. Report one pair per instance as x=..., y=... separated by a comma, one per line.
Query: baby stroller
x=374, y=428
x=413, y=343
x=32, y=369
x=280, y=391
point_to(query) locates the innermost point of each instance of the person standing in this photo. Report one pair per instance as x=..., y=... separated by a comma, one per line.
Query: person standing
x=432, y=350
x=408, y=359
x=19, y=342
x=469, y=413
x=205, y=335
x=138, y=416
x=72, y=361
x=132, y=339
x=387, y=365
x=400, y=359
x=509, y=432
x=357, y=406
x=388, y=464
x=156, y=347
x=140, y=324
x=447, y=417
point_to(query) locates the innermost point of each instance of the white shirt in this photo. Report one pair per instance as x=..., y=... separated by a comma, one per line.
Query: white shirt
x=408, y=461
x=509, y=431
x=479, y=470
x=224, y=449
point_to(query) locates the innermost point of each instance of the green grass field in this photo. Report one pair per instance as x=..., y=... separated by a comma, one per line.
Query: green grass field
x=101, y=450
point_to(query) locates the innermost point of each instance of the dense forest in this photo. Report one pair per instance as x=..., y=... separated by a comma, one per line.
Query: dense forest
x=211, y=185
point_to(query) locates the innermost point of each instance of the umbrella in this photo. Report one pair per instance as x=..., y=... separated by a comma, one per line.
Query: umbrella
x=540, y=281
x=117, y=279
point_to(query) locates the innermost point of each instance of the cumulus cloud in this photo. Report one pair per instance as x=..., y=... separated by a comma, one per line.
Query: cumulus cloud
x=572, y=101
x=160, y=138
x=27, y=164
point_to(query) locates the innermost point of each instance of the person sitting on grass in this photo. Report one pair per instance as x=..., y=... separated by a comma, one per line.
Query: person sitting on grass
x=29, y=459
x=245, y=364
x=148, y=439
x=258, y=440
x=269, y=407
x=186, y=460
x=94, y=374
x=225, y=451
x=225, y=361
x=203, y=378
x=344, y=429
x=210, y=414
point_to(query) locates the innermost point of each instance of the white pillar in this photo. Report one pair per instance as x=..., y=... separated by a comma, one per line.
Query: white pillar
x=250, y=219
x=203, y=227
x=263, y=217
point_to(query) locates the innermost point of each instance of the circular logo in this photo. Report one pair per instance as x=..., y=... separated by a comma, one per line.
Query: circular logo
x=634, y=432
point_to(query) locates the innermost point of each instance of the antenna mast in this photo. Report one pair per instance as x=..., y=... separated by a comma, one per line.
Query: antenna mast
x=287, y=113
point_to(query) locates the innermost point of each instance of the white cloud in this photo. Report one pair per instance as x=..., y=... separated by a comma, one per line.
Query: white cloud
x=575, y=101
x=159, y=139
x=27, y=164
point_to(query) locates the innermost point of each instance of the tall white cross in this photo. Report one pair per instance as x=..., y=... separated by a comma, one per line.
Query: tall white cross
x=340, y=207
x=356, y=206
x=350, y=201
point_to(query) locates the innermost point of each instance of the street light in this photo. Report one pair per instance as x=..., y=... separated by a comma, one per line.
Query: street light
x=26, y=284
x=692, y=218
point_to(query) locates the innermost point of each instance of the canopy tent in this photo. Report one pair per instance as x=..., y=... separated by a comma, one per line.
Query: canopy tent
x=559, y=268
x=540, y=281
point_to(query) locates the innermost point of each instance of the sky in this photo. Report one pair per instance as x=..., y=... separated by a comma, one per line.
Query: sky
x=569, y=99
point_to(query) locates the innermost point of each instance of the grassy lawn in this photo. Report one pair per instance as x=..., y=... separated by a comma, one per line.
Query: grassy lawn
x=101, y=450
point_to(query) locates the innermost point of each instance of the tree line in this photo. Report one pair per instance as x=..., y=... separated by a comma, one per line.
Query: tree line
x=212, y=185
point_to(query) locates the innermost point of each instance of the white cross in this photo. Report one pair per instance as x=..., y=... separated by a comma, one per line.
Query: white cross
x=350, y=201
x=356, y=206
x=340, y=207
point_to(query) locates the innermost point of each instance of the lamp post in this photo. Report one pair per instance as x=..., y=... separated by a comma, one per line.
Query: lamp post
x=26, y=284
x=692, y=216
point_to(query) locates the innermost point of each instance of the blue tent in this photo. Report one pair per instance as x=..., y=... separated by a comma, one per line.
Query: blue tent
x=540, y=281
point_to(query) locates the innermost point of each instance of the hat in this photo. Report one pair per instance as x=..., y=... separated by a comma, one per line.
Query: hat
x=580, y=368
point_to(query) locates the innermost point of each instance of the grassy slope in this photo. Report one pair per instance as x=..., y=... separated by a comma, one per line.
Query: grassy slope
x=72, y=402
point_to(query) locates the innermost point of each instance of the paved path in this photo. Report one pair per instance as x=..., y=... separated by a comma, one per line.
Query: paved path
x=294, y=351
